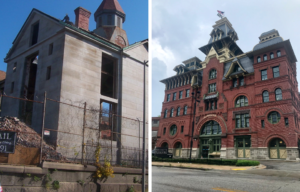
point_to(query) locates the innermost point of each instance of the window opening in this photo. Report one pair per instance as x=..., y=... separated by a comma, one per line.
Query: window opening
x=164, y=131
x=173, y=130
x=178, y=111
x=286, y=121
x=182, y=127
x=265, y=57
x=168, y=97
x=12, y=87
x=185, y=110
x=258, y=59
x=48, y=73
x=278, y=94
x=108, y=79
x=242, y=120
x=106, y=120
x=234, y=82
x=274, y=117
x=180, y=94
x=172, y=111
x=174, y=96
x=212, y=74
x=241, y=101
x=166, y=113
x=264, y=75
x=211, y=128
x=212, y=88
x=278, y=53
x=275, y=71
x=265, y=96
x=187, y=93
x=263, y=123
x=34, y=33
x=50, y=49
x=242, y=81
x=272, y=55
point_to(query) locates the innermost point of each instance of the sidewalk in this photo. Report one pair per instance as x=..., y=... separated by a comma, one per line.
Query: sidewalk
x=205, y=166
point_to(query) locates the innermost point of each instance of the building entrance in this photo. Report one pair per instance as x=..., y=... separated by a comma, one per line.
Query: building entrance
x=243, y=145
x=205, y=150
x=277, y=149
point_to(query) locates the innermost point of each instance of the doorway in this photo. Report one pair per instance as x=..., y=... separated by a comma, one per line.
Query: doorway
x=243, y=144
x=277, y=149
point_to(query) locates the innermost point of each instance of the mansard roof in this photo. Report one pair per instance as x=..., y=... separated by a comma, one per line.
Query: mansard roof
x=268, y=43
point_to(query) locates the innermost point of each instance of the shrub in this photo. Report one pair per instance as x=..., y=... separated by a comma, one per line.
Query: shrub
x=247, y=163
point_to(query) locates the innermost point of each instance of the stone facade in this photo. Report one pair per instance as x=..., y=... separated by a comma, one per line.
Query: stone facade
x=76, y=60
x=247, y=104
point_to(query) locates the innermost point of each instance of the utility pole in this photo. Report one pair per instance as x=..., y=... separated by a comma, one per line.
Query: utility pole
x=193, y=123
x=144, y=127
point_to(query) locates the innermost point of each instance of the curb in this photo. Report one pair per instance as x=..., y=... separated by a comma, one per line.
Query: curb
x=202, y=169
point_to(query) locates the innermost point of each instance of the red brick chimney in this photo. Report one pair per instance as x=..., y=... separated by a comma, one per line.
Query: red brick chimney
x=82, y=18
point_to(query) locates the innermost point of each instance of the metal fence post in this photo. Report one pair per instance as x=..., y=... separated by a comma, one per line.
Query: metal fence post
x=83, y=127
x=43, y=126
x=111, y=138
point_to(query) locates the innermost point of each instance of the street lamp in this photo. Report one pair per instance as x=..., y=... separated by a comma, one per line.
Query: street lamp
x=193, y=123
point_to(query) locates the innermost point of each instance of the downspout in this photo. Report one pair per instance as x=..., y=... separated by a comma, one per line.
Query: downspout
x=119, y=121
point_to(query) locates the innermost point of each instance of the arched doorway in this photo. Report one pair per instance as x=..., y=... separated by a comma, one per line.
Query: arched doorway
x=277, y=149
x=178, y=147
x=210, y=140
x=165, y=145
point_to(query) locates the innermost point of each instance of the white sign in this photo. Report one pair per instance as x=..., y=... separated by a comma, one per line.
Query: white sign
x=46, y=132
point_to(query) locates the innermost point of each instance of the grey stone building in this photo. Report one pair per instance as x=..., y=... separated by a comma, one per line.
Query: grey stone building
x=75, y=65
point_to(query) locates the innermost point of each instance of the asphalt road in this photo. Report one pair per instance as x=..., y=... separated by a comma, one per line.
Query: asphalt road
x=279, y=177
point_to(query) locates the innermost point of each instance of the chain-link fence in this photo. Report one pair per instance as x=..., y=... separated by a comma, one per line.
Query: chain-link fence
x=71, y=132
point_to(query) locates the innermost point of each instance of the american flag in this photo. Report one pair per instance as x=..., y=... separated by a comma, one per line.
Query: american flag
x=221, y=12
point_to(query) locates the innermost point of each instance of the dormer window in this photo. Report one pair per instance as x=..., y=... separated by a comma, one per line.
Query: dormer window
x=237, y=68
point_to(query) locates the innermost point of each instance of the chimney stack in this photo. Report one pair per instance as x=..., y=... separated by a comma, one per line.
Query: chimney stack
x=82, y=18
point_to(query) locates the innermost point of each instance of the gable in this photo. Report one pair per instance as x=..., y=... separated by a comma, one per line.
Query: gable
x=139, y=51
x=48, y=26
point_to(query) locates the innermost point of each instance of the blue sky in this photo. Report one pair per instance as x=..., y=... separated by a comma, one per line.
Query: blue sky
x=13, y=14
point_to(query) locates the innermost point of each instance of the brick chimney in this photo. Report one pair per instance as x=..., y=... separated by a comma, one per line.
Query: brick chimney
x=82, y=18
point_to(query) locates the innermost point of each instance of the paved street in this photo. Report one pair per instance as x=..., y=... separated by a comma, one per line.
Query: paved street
x=279, y=176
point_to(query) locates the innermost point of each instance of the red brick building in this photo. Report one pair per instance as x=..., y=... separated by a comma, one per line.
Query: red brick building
x=246, y=104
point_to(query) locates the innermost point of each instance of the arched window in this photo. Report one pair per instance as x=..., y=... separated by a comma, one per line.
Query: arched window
x=178, y=111
x=212, y=74
x=258, y=59
x=272, y=55
x=178, y=145
x=173, y=130
x=185, y=110
x=265, y=57
x=165, y=145
x=172, y=111
x=278, y=53
x=265, y=96
x=278, y=94
x=166, y=113
x=241, y=101
x=274, y=117
x=211, y=128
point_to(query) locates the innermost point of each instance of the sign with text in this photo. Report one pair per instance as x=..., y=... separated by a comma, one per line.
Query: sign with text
x=7, y=142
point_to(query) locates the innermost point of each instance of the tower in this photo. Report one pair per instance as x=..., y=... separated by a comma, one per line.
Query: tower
x=110, y=18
